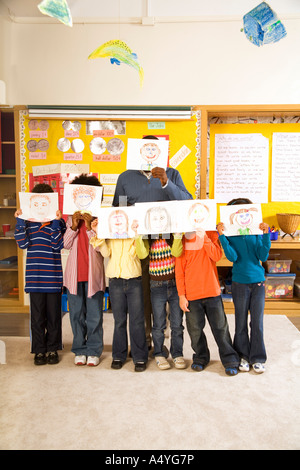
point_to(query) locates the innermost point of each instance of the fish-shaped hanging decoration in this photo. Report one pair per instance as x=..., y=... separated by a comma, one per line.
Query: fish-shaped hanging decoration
x=119, y=52
x=57, y=9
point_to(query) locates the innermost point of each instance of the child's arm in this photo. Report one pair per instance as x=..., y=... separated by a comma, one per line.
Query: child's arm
x=180, y=264
x=264, y=242
x=230, y=253
x=177, y=245
x=71, y=232
x=212, y=246
x=20, y=234
x=141, y=244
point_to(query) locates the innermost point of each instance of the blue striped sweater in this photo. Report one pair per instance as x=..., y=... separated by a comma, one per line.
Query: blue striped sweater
x=43, y=264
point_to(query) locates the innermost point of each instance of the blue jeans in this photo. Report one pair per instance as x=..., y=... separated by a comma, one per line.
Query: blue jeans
x=249, y=297
x=126, y=295
x=161, y=293
x=86, y=317
x=213, y=309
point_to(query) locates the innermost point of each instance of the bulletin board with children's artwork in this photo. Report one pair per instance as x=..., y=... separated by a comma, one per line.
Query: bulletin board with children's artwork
x=53, y=151
x=259, y=161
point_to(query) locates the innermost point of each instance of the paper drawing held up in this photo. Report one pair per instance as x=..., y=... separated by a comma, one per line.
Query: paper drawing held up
x=119, y=52
x=147, y=154
x=262, y=26
x=38, y=207
x=115, y=222
x=81, y=197
x=243, y=219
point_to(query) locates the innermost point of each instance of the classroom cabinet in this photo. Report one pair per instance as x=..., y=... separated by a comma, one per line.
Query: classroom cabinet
x=11, y=293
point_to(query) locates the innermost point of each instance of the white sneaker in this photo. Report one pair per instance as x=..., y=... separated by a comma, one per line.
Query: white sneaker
x=179, y=362
x=93, y=361
x=80, y=360
x=244, y=365
x=162, y=362
x=259, y=368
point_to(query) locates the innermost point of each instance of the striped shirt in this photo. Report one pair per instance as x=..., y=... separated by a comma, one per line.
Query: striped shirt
x=96, y=276
x=43, y=263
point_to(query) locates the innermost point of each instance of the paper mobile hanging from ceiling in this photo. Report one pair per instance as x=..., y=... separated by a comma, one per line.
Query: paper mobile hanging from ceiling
x=262, y=26
x=57, y=9
x=119, y=52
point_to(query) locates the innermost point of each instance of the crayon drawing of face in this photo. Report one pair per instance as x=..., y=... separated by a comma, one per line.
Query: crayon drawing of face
x=83, y=197
x=118, y=224
x=157, y=220
x=198, y=214
x=39, y=207
x=150, y=153
x=243, y=220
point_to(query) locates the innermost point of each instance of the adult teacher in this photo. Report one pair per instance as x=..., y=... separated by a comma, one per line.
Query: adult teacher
x=149, y=186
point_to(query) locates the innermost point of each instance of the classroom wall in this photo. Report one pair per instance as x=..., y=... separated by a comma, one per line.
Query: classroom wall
x=208, y=62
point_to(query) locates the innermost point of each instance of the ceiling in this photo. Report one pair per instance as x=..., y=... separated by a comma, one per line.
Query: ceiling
x=26, y=10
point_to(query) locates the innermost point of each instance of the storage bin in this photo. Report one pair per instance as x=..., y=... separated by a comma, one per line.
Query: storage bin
x=279, y=286
x=278, y=266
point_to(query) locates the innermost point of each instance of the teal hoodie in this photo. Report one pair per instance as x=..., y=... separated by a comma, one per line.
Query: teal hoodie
x=246, y=253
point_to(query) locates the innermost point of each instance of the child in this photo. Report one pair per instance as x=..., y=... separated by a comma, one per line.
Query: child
x=126, y=295
x=43, y=280
x=85, y=282
x=199, y=293
x=248, y=291
x=162, y=252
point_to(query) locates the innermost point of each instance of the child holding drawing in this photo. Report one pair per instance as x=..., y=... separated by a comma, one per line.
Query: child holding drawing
x=44, y=279
x=126, y=295
x=85, y=282
x=162, y=251
x=248, y=291
x=200, y=296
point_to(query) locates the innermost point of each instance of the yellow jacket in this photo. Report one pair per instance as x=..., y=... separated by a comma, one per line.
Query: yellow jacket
x=123, y=261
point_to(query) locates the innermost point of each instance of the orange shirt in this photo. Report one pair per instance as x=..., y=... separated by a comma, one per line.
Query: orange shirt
x=196, y=271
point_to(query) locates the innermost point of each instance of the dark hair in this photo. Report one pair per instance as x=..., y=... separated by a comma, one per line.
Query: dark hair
x=89, y=180
x=150, y=137
x=237, y=201
x=42, y=188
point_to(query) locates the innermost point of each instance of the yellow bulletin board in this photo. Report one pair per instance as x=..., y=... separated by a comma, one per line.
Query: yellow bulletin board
x=270, y=209
x=182, y=136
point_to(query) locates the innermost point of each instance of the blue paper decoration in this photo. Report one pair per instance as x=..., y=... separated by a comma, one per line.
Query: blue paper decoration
x=262, y=26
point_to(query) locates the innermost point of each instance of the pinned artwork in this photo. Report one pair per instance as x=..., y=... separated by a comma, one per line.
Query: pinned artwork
x=38, y=207
x=115, y=222
x=145, y=154
x=58, y=9
x=119, y=52
x=262, y=26
x=82, y=197
x=243, y=219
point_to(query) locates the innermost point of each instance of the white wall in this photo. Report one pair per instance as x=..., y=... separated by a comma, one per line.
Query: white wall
x=208, y=62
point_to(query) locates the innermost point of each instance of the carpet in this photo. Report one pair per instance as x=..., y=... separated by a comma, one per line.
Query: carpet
x=64, y=407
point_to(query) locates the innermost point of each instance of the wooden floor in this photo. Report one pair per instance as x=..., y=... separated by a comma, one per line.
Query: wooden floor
x=17, y=324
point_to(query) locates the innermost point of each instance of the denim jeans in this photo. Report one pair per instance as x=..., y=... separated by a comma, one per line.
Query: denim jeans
x=213, y=309
x=249, y=297
x=126, y=296
x=161, y=293
x=86, y=317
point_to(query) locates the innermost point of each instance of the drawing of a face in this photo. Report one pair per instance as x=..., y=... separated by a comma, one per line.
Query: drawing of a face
x=243, y=218
x=118, y=224
x=157, y=220
x=198, y=214
x=83, y=197
x=150, y=152
x=39, y=205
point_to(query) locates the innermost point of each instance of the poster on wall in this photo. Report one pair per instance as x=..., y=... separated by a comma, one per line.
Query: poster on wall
x=285, y=166
x=241, y=167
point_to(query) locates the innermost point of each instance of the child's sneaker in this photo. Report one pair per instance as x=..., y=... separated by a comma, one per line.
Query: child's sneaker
x=197, y=367
x=231, y=370
x=53, y=358
x=93, y=361
x=40, y=359
x=244, y=366
x=162, y=362
x=259, y=368
x=80, y=360
x=179, y=362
